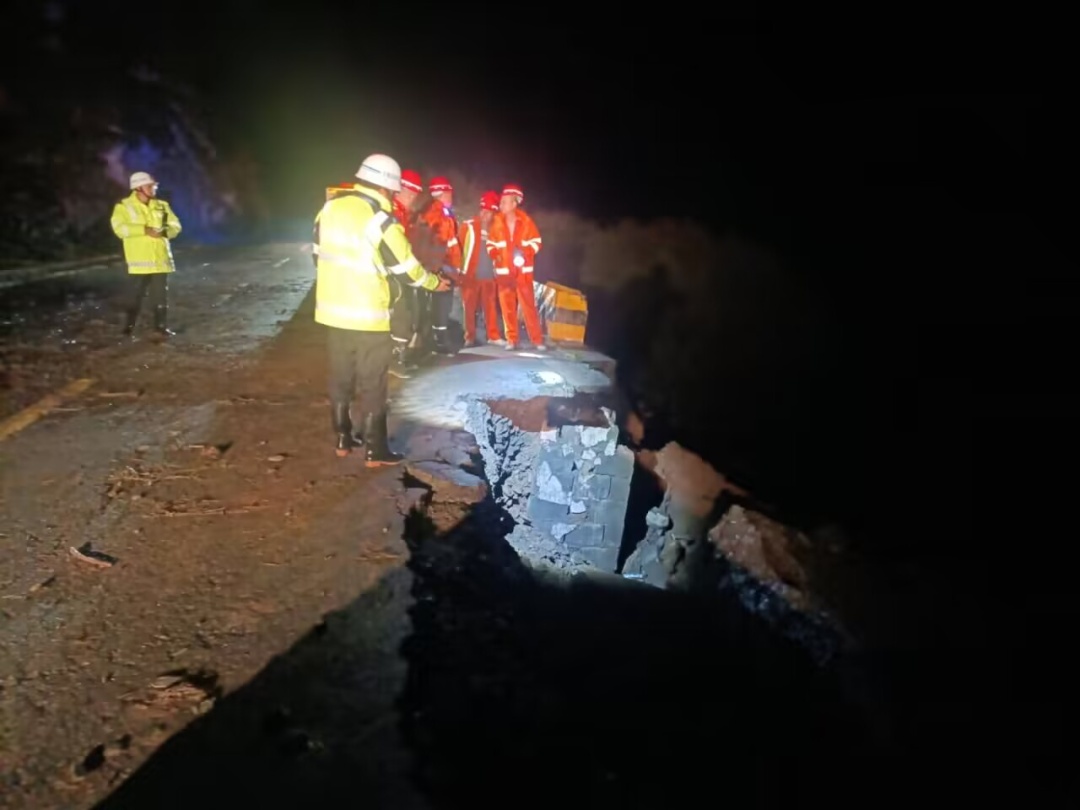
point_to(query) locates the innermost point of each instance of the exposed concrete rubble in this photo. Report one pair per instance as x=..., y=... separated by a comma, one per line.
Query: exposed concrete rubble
x=700, y=538
x=566, y=486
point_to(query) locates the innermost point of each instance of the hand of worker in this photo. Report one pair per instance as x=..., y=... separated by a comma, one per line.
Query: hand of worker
x=152, y=232
x=444, y=284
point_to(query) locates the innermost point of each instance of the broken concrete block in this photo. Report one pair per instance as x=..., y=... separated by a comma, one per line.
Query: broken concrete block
x=592, y=487
x=606, y=559
x=544, y=513
x=644, y=563
x=611, y=514
x=578, y=508
x=618, y=465
x=549, y=436
x=571, y=435
x=657, y=518
x=448, y=483
x=586, y=535
x=557, y=461
x=549, y=486
x=593, y=436
x=560, y=530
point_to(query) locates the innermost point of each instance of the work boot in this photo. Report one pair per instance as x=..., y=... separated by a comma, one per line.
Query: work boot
x=402, y=368
x=442, y=342
x=375, y=439
x=342, y=424
x=128, y=329
x=497, y=342
x=469, y=343
x=161, y=315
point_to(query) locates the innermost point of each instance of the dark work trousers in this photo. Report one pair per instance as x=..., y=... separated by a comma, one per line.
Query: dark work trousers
x=359, y=362
x=423, y=317
x=441, y=304
x=157, y=284
x=403, y=314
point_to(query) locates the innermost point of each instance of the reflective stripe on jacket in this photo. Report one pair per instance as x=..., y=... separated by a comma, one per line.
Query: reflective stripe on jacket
x=145, y=254
x=502, y=244
x=474, y=251
x=358, y=242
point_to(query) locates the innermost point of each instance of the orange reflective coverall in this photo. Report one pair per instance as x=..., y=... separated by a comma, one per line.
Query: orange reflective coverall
x=477, y=291
x=515, y=279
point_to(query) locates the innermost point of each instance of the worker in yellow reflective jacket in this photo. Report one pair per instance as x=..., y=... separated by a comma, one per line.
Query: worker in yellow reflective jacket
x=358, y=244
x=146, y=224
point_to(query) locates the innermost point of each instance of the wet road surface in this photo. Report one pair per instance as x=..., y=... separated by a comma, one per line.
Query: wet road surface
x=269, y=630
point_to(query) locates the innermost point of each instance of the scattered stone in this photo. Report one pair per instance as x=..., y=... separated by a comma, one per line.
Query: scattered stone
x=449, y=484
x=86, y=554
x=91, y=762
x=276, y=458
x=166, y=681
x=45, y=583
x=657, y=518
x=764, y=548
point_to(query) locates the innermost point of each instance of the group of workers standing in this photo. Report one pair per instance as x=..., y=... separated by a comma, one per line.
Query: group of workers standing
x=387, y=256
x=387, y=259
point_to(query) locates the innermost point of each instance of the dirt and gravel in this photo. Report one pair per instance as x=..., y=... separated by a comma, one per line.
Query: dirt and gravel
x=246, y=619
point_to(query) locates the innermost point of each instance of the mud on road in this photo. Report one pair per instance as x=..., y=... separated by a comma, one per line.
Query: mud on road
x=279, y=629
x=202, y=466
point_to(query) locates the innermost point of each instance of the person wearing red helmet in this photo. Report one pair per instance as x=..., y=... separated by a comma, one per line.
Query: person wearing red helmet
x=513, y=243
x=411, y=186
x=404, y=313
x=478, y=272
x=439, y=216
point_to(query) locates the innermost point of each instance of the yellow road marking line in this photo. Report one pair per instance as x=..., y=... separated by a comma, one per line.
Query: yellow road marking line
x=27, y=416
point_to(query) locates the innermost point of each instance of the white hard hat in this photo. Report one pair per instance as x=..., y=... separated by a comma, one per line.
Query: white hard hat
x=140, y=179
x=382, y=171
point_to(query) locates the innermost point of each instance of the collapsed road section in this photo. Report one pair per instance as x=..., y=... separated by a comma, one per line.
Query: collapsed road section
x=547, y=436
x=546, y=430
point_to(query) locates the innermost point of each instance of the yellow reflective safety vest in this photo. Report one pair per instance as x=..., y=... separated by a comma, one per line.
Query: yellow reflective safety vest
x=358, y=243
x=145, y=254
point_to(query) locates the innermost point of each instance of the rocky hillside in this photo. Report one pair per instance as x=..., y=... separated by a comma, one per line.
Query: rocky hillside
x=78, y=113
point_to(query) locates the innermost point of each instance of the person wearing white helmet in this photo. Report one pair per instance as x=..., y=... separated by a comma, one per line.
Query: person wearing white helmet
x=146, y=225
x=359, y=244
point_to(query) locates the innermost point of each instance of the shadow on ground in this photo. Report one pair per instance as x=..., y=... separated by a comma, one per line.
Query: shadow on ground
x=516, y=689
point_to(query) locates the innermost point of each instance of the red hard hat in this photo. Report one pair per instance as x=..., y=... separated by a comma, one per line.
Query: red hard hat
x=347, y=185
x=411, y=180
x=439, y=184
x=489, y=200
x=514, y=190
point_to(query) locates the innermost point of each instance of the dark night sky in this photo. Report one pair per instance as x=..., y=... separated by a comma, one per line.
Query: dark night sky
x=828, y=138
